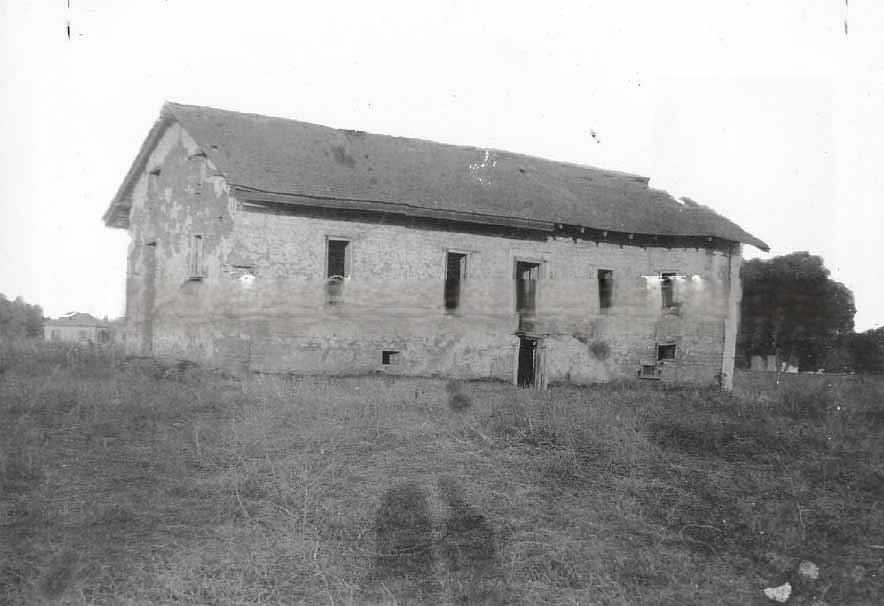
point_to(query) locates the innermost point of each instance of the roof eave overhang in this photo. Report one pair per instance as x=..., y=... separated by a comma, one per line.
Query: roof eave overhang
x=249, y=195
x=759, y=244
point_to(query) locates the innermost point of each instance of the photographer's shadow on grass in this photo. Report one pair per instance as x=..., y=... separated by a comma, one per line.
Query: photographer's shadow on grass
x=405, y=558
x=468, y=550
x=421, y=561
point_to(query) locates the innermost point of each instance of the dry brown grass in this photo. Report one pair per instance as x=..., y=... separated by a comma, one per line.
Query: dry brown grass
x=131, y=482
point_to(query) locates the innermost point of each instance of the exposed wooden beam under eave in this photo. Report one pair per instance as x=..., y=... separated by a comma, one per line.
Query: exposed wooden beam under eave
x=245, y=194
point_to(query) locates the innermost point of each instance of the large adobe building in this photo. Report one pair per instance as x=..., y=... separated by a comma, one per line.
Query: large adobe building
x=267, y=244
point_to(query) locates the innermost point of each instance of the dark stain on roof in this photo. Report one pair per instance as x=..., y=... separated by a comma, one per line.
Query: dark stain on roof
x=342, y=157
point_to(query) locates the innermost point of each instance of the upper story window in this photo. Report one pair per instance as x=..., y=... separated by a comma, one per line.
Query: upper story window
x=195, y=260
x=455, y=272
x=667, y=287
x=337, y=258
x=606, y=288
x=153, y=183
x=527, y=274
x=337, y=268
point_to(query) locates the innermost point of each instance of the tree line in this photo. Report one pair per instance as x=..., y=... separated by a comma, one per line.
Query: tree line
x=792, y=309
x=19, y=320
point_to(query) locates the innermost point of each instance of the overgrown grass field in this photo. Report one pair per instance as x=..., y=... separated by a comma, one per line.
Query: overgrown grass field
x=124, y=481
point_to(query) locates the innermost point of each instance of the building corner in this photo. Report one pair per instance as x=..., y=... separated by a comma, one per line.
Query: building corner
x=732, y=317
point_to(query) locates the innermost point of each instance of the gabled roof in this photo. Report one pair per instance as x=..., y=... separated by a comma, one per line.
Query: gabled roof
x=76, y=319
x=307, y=164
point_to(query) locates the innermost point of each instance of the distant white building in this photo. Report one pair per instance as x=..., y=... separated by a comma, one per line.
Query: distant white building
x=77, y=327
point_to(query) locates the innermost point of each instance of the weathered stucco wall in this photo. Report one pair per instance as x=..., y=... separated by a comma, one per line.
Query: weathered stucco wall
x=180, y=194
x=264, y=305
x=261, y=303
x=732, y=320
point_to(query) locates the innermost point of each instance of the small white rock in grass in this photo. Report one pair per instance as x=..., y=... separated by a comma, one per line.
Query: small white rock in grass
x=779, y=594
x=809, y=569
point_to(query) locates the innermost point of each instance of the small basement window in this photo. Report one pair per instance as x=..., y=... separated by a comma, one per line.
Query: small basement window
x=606, y=288
x=648, y=371
x=666, y=352
x=337, y=258
x=389, y=356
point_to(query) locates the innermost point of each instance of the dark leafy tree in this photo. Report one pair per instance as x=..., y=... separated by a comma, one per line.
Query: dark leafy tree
x=19, y=319
x=792, y=308
x=867, y=349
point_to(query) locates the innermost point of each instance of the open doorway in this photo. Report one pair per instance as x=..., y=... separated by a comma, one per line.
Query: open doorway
x=526, y=374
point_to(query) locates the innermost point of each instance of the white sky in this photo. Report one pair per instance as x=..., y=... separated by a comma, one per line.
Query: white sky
x=764, y=110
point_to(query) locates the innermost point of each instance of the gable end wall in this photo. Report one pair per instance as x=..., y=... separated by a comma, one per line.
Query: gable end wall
x=179, y=194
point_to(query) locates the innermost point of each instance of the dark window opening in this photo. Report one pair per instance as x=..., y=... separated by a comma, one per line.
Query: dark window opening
x=388, y=357
x=665, y=352
x=338, y=257
x=668, y=289
x=606, y=288
x=455, y=272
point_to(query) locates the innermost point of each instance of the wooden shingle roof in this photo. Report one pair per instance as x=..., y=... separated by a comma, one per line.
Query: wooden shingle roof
x=298, y=161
